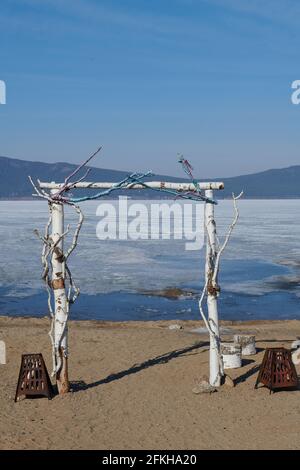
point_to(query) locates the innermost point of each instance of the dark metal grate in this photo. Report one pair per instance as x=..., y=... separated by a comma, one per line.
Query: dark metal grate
x=277, y=370
x=33, y=377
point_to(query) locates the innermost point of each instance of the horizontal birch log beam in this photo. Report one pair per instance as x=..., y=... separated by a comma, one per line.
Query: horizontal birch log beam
x=151, y=184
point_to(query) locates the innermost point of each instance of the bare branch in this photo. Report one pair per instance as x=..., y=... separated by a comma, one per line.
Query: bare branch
x=67, y=186
x=38, y=191
x=76, y=233
x=227, y=238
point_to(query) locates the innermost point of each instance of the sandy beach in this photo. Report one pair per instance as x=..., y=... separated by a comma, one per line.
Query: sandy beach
x=132, y=389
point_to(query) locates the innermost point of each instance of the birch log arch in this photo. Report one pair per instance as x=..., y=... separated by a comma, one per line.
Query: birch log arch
x=61, y=288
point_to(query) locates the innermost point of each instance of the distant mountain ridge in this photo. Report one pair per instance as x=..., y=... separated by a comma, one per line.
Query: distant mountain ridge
x=275, y=184
x=14, y=182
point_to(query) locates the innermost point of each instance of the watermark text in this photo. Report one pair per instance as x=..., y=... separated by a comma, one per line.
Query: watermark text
x=125, y=219
x=2, y=92
x=295, y=97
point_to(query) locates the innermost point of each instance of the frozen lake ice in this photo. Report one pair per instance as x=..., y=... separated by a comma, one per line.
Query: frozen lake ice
x=260, y=270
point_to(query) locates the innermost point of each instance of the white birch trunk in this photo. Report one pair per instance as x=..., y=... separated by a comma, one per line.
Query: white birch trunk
x=60, y=300
x=211, y=252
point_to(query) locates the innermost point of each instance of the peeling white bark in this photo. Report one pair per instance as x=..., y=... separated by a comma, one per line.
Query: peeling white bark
x=151, y=184
x=61, y=306
x=215, y=372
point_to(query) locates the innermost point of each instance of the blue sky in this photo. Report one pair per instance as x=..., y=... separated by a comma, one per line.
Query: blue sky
x=147, y=79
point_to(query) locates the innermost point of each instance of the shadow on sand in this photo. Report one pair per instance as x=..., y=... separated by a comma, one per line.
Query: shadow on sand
x=77, y=386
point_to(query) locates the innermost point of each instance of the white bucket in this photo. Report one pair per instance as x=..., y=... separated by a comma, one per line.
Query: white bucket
x=296, y=344
x=247, y=343
x=232, y=355
x=296, y=357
